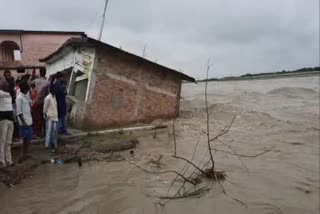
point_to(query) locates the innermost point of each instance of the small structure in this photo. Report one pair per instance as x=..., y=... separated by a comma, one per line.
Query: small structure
x=20, y=50
x=109, y=87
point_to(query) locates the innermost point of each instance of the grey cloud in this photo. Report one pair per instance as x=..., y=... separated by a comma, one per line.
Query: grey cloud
x=244, y=36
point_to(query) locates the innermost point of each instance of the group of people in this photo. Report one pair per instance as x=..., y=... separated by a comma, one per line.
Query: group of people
x=31, y=107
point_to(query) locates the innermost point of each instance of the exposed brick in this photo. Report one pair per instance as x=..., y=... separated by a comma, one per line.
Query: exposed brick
x=119, y=103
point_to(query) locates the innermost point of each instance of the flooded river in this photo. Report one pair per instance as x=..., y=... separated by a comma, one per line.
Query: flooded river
x=280, y=112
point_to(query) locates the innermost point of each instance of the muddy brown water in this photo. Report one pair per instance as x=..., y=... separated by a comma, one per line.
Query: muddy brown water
x=278, y=112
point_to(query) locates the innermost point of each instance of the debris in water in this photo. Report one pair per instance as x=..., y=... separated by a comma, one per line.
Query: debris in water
x=79, y=162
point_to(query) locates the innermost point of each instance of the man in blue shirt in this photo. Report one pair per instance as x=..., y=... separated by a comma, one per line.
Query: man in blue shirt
x=61, y=94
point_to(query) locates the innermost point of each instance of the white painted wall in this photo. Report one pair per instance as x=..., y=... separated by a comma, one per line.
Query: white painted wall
x=79, y=60
x=66, y=61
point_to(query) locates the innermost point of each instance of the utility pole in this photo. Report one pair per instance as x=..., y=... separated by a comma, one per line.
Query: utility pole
x=144, y=51
x=103, y=19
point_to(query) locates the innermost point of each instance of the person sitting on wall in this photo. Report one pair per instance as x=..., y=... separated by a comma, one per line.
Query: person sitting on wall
x=6, y=125
x=50, y=113
x=61, y=95
x=23, y=102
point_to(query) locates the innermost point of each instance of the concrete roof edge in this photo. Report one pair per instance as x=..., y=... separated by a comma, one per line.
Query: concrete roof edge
x=42, y=31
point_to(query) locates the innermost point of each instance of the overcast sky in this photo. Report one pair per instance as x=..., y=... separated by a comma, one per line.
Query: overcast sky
x=240, y=36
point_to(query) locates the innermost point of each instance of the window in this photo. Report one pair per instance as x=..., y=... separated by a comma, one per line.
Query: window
x=9, y=51
x=21, y=70
x=16, y=55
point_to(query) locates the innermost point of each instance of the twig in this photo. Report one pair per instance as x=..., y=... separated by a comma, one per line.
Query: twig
x=274, y=206
x=246, y=156
x=233, y=150
x=186, y=166
x=224, y=131
x=81, y=146
x=195, y=166
x=174, y=137
x=184, y=170
x=208, y=116
x=233, y=198
x=195, y=193
x=159, y=159
x=178, y=192
x=162, y=172
x=204, y=166
x=203, y=132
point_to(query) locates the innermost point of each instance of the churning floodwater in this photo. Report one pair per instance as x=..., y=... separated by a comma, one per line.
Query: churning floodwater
x=278, y=112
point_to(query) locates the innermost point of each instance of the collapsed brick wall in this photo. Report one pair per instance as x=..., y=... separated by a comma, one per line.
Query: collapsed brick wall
x=130, y=90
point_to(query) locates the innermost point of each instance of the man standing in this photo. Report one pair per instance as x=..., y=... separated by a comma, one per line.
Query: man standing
x=50, y=113
x=10, y=80
x=6, y=125
x=42, y=89
x=23, y=103
x=11, y=90
x=61, y=94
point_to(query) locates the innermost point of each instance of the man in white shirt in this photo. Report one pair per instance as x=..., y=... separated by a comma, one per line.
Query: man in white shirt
x=24, y=117
x=6, y=125
x=50, y=113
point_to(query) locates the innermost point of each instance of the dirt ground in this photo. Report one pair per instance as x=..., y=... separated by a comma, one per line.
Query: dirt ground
x=71, y=150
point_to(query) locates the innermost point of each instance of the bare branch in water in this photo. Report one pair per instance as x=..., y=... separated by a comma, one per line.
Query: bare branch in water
x=206, y=170
x=224, y=131
x=208, y=115
x=189, y=162
x=186, y=166
x=233, y=198
x=195, y=193
x=233, y=150
x=245, y=155
x=174, y=137
x=162, y=172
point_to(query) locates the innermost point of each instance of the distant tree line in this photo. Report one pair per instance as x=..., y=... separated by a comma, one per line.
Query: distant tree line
x=284, y=71
x=307, y=69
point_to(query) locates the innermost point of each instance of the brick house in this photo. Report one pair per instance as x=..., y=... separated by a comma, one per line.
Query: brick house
x=109, y=87
x=20, y=50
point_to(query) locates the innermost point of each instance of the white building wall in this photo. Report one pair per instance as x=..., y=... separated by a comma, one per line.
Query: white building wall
x=63, y=63
x=80, y=61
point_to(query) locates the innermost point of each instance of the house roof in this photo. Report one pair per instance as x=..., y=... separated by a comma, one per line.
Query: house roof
x=14, y=31
x=90, y=42
x=9, y=65
x=17, y=65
